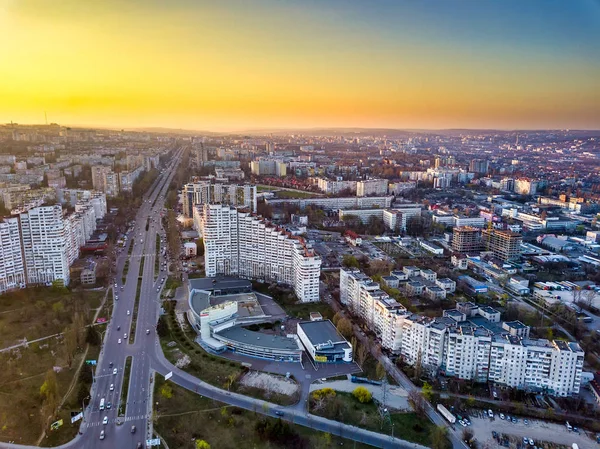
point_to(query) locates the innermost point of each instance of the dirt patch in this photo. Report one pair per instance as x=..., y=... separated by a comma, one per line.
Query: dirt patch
x=270, y=382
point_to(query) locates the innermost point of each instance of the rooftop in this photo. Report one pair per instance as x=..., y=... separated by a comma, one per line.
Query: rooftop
x=319, y=332
x=242, y=335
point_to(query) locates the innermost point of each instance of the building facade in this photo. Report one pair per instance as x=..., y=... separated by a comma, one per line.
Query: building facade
x=238, y=243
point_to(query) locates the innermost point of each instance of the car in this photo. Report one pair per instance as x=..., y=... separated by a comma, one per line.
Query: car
x=132, y=429
x=514, y=420
x=112, y=387
x=575, y=429
x=501, y=415
x=102, y=435
x=147, y=331
x=116, y=297
x=110, y=364
x=105, y=420
x=122, y=287
x=467, y=421
x=494, y=434
x=531, y=442
x=158, y=289
x=279, y=413
x=490, y=413
x=115, y=371
x=116, y=285
x=139, y=445
x=128, y=312
x=119, y=341
x=526, y=422
x=124, y=336
x=508, y=418
x=118, y=328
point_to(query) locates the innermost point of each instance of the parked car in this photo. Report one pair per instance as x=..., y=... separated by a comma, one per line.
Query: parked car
x=490, y=413
x=501, y=415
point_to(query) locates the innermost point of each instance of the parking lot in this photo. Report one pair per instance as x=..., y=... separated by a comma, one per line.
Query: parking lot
x=535, y=429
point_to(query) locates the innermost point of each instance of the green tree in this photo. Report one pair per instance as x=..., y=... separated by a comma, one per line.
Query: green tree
x=349, y=261
x=166, y=391
x=439, y=438
x=380, y=370
x=344, y=326
x=362, y=394
x=201, y=444
x=427, y=391
x=162, y=329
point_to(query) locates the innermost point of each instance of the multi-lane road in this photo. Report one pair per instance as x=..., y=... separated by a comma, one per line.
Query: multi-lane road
x=147, y=357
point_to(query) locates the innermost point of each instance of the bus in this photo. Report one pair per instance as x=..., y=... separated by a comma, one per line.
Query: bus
x=102, y=404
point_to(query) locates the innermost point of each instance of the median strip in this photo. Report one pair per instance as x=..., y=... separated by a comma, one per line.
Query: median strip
x=136, y=303
x=125, y=387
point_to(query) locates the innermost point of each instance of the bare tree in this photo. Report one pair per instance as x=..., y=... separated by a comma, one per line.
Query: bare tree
x=416, y=400
x=361, y=354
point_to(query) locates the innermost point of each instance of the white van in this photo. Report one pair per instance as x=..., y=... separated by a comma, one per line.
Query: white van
x=102, y=404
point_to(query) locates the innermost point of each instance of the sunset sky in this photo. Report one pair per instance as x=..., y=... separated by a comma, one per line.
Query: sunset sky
x=237, y=65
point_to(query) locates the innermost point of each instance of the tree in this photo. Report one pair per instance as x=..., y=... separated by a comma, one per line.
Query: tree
x=201, y=444
x=363, y=395
x=92, y=336
x=336, y=318
x=380, y=370
x=162, y=329
x=417, y=402
x=49, y=392
x=439, y=438
x=349, y=261
x=70, y=343
x=166, y=391
x=427, y=391
x=344, y=326
x=362, y=353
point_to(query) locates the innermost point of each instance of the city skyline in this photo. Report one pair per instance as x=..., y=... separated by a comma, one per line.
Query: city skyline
x=201, y=66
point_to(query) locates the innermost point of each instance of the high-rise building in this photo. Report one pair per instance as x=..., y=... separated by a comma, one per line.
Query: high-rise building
x=238, y=243
x=12, y=265
x=204, y=192
x=505, y=245
x=479, y=166
x=466, y=239
x=45, y=245
x=525, y=186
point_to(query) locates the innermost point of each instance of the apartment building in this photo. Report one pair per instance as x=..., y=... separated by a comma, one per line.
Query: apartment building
x=466, y=239
x=205, y=192
x=12, y=264
x=372, y=187
x=335, y=186
x=505, y=245
x=353, y=202
x=263, y=167
x=468, y=342
x=238, y=243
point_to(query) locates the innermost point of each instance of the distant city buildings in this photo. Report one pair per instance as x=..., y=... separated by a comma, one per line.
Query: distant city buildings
x=205, y=192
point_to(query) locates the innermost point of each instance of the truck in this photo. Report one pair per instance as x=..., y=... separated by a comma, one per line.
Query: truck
x=446, y=413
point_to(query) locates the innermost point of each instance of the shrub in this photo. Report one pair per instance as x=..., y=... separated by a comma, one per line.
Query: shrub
x=362, y=394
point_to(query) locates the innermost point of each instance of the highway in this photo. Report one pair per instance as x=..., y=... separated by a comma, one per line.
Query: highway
x=147, y=356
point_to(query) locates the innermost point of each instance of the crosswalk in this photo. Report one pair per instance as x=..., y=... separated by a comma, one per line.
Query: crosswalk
x=117, y=421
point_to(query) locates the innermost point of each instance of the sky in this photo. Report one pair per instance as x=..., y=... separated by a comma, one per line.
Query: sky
x=271, y=64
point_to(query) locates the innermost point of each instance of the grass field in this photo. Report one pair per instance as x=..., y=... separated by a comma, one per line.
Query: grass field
x=346, y=408
x=178, y=413
x=36, y=313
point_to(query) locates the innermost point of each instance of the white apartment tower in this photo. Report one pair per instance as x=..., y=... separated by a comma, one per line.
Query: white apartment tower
x=238, y=243
x=45, y=245
x=12, y=265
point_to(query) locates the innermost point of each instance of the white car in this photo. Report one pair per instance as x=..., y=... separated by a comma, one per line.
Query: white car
x=128, y=313
x=114, y=370
x=119, y=341
x=147, y=331
x=125, y=337
x=116, y=297
x=112, y=387
x=102, y=435
x=116, y=285
x=105, y=420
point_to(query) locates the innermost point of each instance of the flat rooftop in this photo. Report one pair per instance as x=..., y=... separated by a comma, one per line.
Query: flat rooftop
x=220, y=283
x=319, y=332
x=245, y=336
